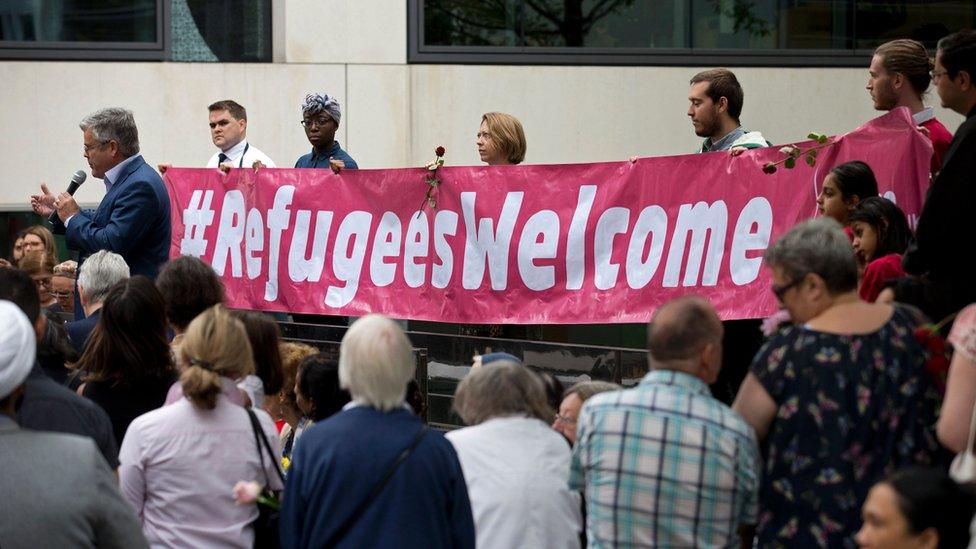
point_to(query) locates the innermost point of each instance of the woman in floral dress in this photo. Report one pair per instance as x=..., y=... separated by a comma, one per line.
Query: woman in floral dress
x=841, y=398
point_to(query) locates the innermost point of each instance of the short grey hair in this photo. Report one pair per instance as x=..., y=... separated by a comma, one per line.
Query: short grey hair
x=502, y=388
x=816, y=246
x=114, y=124
x=376, y=362
x=99, y=273
x=586, y=389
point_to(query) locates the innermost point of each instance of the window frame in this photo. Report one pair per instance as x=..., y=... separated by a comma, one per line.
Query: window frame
x=97, y=51
x=419, y=53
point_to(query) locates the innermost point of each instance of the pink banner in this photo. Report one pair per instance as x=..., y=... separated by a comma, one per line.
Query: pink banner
x=578, y=243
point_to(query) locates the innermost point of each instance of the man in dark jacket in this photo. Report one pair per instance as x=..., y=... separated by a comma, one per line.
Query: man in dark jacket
x=947, y=270
x=47, y=406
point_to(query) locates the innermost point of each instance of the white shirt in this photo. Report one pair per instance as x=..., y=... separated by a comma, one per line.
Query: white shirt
x=178, y=467
x=254, y=387
x=924, y=115
x=517, y=473
x=234, y=156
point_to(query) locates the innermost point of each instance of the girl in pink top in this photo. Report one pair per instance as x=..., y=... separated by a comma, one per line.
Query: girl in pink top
x=881, y=236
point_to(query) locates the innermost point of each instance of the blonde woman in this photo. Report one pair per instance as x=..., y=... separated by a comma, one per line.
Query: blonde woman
x=501, y=140
x=180, y=463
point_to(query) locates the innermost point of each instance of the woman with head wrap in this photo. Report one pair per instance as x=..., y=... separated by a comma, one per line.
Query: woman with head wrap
x=320, y=117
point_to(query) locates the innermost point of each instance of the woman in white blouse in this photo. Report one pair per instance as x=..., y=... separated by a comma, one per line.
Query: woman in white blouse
x=515, y=466
x=179, y=463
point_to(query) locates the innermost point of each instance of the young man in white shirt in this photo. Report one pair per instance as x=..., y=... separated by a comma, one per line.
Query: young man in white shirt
x=228, y=130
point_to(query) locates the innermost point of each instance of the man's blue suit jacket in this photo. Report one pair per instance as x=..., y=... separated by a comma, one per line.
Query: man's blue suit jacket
x=132, y=220
x=79, y=330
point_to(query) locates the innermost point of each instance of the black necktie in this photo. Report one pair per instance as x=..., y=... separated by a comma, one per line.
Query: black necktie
x=222, y=158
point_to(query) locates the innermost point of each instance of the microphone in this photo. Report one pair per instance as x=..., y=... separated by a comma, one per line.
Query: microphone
x=76, y=180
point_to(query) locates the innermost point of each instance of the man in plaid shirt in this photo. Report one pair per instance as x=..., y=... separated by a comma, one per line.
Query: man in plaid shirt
x=665, y=464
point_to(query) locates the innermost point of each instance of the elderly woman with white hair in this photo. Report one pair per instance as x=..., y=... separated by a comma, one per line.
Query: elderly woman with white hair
x=373, y=475
x=841, y=397
x=515, y=466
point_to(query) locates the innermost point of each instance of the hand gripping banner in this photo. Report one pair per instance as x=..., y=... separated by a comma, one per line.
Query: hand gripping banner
x=577, y=243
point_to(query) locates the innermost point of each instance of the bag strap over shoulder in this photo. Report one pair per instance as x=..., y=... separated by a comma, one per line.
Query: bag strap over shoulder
x=358, y=513
x=263, y=445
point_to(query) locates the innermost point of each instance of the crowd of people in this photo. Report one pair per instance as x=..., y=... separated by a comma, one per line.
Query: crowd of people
x=137, y=410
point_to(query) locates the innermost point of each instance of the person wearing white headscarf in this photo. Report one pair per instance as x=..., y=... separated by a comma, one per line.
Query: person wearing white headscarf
x=18, y=348
x=58, y=489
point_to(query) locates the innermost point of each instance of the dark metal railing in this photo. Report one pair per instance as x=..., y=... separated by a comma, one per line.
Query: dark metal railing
x=444, y=359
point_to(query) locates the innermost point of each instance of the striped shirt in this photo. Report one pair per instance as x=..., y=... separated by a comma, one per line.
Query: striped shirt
x=665, y=465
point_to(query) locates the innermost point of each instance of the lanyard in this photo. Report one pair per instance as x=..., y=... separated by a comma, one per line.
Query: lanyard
x=240, y=164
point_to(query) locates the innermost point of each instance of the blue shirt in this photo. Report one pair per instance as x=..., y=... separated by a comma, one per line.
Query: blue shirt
x=724, y=143
x=665, y=464
x=311, y=160
x=339, y=462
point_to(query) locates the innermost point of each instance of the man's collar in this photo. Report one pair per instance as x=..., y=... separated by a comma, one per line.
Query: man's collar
x=96, y=310
x=359, y=404
x=924, y=115
x=720, y=144
x=112, y=175
x=676, y=378
x=236, y=149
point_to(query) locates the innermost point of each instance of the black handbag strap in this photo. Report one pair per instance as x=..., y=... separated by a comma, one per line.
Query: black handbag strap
x=263, y=445
x=358, y=513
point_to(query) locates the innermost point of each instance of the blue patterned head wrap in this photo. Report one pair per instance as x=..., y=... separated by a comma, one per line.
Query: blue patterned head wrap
x=316, y=103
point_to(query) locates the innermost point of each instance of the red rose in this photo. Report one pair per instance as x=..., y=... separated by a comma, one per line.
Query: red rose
x=936, y=345
x=439, y=151
x=922, y=334
x=769, y=168
x=938, y=366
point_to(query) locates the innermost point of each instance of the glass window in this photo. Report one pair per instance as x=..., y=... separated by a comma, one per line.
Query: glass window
x=613, y=24
x=177, y=30
x=221, y=30
x=770, y=25
x=78, y=21
x=925, y=21
x=811, y=32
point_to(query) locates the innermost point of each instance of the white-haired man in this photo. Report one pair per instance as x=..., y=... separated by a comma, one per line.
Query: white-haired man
x=99, y=273
x=390, y=481
x=46, y=503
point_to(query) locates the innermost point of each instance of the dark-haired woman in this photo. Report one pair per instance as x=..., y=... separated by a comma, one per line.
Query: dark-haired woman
x=881, y=236
x=317, y=387
x=180, y=463
x=267, y=379
x=127, y=361
x=917, y=508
